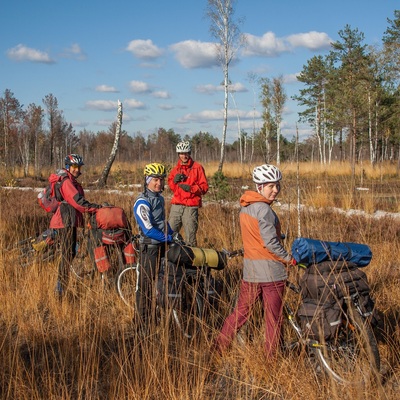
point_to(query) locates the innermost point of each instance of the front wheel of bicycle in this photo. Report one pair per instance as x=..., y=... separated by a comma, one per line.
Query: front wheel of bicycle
x=187, y=312
x=353, y=357
x=127, y=285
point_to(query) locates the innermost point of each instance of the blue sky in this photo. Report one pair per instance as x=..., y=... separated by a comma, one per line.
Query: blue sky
x=156, y=57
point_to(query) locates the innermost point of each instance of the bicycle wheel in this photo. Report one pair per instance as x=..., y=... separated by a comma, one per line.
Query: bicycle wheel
x=187, y=311
x=82, y=266
x=127, y=285
x=353, y=357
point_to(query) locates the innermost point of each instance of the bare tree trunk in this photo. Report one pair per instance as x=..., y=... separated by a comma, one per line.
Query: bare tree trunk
x=103, y=179
x=223, y=141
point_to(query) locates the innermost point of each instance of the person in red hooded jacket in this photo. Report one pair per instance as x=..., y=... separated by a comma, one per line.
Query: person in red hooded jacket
x=68, y=216
x=188, y=182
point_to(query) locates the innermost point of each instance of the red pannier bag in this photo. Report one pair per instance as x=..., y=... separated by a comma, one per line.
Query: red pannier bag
x=101, y=259
x=113, y=236
x=111, y=218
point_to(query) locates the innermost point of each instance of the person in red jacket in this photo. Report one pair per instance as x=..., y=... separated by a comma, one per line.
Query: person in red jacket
x=264, y=263
x=68, y=216
x=188, y=182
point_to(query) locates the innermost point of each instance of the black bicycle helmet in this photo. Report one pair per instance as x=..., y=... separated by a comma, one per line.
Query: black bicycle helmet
x=73, y=159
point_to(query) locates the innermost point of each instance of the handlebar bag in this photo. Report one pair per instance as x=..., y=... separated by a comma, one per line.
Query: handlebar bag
x=111, y=218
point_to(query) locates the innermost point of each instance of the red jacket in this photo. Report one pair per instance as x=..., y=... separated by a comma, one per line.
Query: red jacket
x=69, y=212
x=197, y=180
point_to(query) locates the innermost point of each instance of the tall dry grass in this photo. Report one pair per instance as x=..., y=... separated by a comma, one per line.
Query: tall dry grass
x=86, y=347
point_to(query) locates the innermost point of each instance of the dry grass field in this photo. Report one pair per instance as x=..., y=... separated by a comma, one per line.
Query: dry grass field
x=85, y=347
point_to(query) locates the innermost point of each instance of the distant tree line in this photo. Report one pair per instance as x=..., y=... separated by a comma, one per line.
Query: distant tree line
x=350, y=98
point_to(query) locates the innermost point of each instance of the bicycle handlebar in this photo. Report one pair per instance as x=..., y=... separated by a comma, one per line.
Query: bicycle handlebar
x=233, y=253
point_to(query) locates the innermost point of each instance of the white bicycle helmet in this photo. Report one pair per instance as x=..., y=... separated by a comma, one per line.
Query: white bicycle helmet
x=266, y=173
x=183, y=147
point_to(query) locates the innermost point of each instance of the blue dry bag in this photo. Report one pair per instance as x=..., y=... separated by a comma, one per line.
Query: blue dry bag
x=312, y=251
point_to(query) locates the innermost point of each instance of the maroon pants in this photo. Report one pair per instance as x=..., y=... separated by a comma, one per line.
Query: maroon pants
x=271, y=294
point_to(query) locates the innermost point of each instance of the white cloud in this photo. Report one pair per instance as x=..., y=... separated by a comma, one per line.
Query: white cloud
x=139, y=87
x=310, y=40
x=195, y=54
x=166, y=107
x=161, y=94
x=202, y=116
x=106, y=88
x=211, y=89
x=238, y=87
x=217, y=115
x=133, y=104
x=103, y=105
x=79, y=124
x=105, y=122
x=75, y=52
x=144, y=49
x=290, y=78
x=268, y=45
x=23, y=53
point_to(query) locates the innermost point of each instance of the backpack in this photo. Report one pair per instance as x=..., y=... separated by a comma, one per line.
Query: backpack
x=323, y=288
x=50, y=197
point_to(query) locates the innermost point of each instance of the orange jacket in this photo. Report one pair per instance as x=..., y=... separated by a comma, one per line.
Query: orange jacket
x=264, y=255
x=195, y=177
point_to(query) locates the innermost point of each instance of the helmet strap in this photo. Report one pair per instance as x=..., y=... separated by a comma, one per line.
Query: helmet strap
x=259, y=187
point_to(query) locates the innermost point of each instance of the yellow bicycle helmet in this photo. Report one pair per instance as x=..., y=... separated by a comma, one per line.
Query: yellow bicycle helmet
x=155, y=170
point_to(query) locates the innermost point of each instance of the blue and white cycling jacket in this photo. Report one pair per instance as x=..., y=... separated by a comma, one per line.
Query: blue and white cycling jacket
x=149, y=211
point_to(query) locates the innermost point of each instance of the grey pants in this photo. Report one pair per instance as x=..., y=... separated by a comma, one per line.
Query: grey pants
x=186, y=217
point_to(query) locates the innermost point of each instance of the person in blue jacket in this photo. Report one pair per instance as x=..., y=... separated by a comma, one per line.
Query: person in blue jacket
x=155, y=233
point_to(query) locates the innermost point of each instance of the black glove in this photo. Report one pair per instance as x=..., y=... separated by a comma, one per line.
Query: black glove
x=177, y=237
x=185, y=187
x=179, y=178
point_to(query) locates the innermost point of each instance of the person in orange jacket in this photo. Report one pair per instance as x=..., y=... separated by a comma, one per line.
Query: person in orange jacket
x=188, y=182
x=264, y=263
x=68, y=216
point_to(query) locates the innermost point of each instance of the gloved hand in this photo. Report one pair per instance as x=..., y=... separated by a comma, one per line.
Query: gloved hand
x=179, y=178
x=177, y=237
x=185, y=187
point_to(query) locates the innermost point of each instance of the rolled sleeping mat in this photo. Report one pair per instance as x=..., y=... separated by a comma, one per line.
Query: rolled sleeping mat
x=195, y=257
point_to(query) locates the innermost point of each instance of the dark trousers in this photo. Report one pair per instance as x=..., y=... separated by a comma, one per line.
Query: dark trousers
x=150, y=259
x=67, y=240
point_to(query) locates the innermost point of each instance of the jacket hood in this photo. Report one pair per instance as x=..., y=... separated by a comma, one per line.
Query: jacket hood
x=188, y=165
x=250, y=196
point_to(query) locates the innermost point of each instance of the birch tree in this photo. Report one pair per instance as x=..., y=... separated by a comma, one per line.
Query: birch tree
x=278, y=102
x=103, y=179
x=225, y=29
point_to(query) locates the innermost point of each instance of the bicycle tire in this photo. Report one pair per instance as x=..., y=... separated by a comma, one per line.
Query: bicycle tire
x=109, y=278
x=187, y=312
x=353, y=357
x=127, y=282
x=82, y=266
